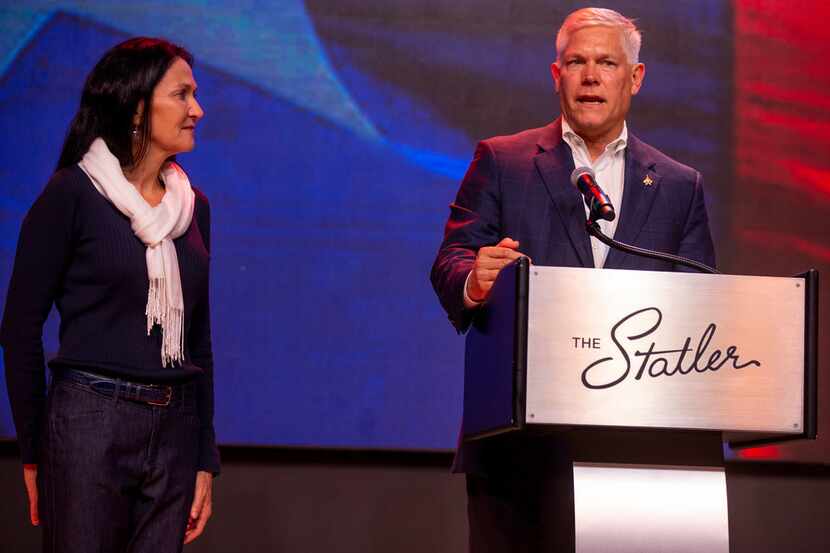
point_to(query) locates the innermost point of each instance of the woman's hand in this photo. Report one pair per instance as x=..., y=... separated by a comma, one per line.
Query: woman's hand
x=30, y=481
x=202, y=506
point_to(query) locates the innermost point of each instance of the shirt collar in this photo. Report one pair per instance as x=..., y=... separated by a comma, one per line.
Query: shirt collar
x=614, y=146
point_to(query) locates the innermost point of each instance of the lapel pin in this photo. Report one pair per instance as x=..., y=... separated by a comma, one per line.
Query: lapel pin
x=648, y=181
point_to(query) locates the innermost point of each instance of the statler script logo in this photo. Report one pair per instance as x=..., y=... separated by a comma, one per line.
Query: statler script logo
x=635, y=328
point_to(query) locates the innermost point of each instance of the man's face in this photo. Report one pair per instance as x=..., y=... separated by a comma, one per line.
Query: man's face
x=595, y=82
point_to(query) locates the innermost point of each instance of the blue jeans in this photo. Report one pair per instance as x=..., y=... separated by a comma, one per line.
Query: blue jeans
x=116, y=475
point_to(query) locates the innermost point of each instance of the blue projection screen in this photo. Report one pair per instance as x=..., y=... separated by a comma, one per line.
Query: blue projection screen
x=335, y=135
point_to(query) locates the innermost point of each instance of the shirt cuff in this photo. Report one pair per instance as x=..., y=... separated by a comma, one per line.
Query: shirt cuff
x=469, y=303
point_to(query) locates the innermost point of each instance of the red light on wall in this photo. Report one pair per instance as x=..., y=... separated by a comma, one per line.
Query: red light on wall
x=759, y=453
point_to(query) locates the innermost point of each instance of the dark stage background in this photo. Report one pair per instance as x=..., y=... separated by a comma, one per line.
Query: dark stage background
x=335, y=135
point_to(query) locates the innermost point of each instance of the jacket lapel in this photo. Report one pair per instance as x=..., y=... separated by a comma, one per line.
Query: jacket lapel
x=555, y=164
x=642, y=183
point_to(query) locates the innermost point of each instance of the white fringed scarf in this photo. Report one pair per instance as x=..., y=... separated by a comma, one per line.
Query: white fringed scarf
x=156, y=227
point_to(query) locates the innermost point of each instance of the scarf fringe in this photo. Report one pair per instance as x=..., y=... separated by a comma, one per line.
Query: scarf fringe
x=169, y=319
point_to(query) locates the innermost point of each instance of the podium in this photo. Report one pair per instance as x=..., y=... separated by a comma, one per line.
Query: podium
x=645, y=374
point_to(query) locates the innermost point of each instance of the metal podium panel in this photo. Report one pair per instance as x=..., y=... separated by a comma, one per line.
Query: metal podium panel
x=665, y=350
x=645, y=509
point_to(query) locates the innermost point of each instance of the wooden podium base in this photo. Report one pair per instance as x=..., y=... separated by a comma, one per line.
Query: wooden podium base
x=649, y=509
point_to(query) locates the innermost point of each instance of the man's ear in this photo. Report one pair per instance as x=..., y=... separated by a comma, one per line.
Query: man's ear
x=638, y=73
x=556, y=73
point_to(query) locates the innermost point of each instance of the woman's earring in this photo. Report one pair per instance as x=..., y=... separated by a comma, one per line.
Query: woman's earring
x=135, y=133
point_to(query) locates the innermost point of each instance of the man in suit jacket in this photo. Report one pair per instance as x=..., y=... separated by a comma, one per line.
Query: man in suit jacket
x=517, y=199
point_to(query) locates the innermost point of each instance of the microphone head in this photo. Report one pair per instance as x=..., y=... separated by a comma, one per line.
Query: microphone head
x=607, y=212
x=579, y=171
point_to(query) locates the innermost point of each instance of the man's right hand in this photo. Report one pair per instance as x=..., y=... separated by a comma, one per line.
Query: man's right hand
x=489, y=262
x=30, y=481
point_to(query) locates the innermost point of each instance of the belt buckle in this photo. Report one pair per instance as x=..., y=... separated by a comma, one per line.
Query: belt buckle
x=166, y=402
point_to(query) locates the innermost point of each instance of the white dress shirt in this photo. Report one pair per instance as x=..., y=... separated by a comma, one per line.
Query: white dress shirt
x=609, y=171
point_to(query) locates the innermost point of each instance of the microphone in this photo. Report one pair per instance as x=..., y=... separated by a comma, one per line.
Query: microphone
x=598, y=202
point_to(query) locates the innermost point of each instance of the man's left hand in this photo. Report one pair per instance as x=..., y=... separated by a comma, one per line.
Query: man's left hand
x=202, y=506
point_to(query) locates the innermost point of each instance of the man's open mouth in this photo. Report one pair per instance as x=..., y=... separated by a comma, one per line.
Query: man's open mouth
x=590, y=99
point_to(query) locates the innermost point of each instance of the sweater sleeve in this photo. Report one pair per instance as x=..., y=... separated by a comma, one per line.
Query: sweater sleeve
x=201, y=354
x=44, y=250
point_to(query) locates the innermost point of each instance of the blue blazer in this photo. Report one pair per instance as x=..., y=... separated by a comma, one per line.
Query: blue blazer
x=519, y=186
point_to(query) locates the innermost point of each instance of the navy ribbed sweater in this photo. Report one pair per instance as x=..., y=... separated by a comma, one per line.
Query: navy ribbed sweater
x=78, y=252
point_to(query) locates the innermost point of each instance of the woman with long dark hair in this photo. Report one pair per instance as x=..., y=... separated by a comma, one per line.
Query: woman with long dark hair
x=119, y=455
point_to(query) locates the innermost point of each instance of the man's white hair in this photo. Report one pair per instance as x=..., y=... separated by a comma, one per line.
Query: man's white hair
x=595, y=17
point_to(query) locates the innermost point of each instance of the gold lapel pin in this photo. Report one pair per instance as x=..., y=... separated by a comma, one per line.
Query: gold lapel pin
x=648, y=181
